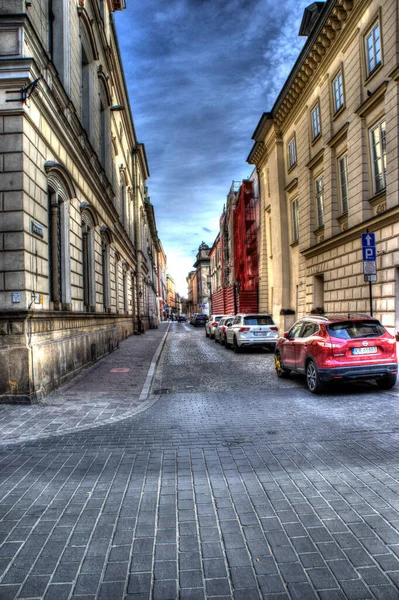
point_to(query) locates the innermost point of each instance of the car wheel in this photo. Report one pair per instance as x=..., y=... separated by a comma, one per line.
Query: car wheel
x=227, y=344
x=386, y=383
x=222, y=341
x=206, y=333
x=312, y=378
x=236, y=347
x=278, y=363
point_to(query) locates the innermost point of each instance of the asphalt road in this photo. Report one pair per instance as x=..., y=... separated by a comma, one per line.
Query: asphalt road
x=231, y=485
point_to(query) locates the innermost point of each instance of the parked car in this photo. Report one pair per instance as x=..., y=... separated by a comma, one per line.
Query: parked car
x=182, y=318
x=211, y=325
x=199, y=320
x=220, y=330
x=252, y=330
x=353, y=347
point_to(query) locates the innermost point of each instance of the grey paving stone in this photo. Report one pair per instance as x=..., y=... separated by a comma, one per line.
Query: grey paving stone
x=165, y=569
x=111, y=591
x=33, y=587
x=141, y=563
x=191, y=579
x=271, y=584
x=217, y=587
x=8, y=592
x=139, y=583
x=355, y=590
x=322, y=579
x=58, y=592
x=189, y=561
x=65, y=573
x=165, y=590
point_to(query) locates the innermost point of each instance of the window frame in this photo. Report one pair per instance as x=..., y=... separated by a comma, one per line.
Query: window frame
x=369, y=32
x=343, y=208
x=295, y=220
x=341, y=91
x=291, y=156
x=317, y=122
x=383, y=156
x=317, y=195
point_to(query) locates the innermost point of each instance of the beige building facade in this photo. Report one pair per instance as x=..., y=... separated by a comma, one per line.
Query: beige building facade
x=327, y=157
x=77, y=235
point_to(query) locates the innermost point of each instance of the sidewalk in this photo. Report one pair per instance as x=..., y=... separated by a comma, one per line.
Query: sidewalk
x=114, y=388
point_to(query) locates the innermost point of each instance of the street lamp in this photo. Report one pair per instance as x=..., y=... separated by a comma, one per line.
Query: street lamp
x=209, y=282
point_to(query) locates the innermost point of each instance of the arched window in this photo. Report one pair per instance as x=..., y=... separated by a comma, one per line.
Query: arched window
x=60, y=192
x=125, y=290
x=116, y=268
x=106, y=280
x=88, y=263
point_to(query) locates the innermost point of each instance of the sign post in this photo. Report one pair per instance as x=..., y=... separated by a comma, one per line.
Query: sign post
x=369, y=262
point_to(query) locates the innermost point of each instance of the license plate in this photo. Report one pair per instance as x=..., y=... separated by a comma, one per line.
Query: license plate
x=260, y=333
x=368, y=350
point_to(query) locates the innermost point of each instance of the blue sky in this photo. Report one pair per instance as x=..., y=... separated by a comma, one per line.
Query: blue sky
x=200, y=73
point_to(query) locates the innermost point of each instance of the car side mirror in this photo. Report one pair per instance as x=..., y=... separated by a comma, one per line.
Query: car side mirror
x=285, y=334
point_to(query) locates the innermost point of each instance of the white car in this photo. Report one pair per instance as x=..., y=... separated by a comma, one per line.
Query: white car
x=252, y=330
x=220, y=330
x=211, y=325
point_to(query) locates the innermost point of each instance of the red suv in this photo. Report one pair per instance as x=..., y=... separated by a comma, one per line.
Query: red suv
x=356, y=347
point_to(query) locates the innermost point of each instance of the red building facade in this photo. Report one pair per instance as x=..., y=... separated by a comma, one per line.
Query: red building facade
x=235, y=253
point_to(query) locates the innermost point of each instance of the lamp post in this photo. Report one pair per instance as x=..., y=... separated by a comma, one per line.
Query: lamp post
x=209, y=282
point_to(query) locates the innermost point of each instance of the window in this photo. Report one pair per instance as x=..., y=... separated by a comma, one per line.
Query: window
x=373, y=48
x=338, y=92
x=316, y=127
x=343, y=182
x=88, y=267
x=378, y=156
x=60, y=192
x=106, y=283
x=309, y=329
x=295, y=330
x=291, y=153
x=85, y=91
x=295, y=220
x=319, y=196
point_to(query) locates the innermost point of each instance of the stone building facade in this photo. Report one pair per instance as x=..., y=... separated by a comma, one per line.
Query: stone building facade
x=327, y=156
x=77, y=241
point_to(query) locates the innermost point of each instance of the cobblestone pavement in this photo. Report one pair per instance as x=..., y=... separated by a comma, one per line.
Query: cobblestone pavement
x=233, y=485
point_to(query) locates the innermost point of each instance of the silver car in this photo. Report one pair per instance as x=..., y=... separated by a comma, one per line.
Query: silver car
x=220, y=330
x=252, y=330
x=211, y=325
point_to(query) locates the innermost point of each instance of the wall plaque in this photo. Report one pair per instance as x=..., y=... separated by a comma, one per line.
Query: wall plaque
x=37, y=229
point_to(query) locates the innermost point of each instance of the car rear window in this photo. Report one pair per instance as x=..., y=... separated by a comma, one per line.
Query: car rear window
x=358, y=329
x=258, y=320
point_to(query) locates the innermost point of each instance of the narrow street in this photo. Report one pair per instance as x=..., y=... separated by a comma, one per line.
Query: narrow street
x=227, y=484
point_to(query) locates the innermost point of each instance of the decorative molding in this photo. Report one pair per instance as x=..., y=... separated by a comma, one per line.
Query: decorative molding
x=339, y=136
x=292, y=185
x=368, y=105
x=315, y=160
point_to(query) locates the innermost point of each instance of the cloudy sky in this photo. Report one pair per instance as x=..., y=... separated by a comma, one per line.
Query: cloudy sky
x=200, y=73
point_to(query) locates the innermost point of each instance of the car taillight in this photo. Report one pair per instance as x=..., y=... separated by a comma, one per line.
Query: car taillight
x=327, y=344
x=244, y=329
x=273, y=328
x=215, y=324
x=223, y=328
